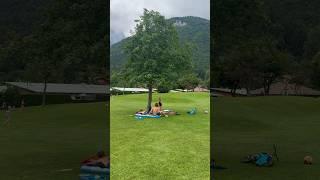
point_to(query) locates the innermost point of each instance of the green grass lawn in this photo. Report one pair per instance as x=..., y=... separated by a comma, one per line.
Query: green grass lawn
x=249, y=125
x=176, y=147
x=40, y=141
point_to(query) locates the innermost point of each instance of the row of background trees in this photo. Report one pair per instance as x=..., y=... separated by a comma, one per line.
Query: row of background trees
x=61, y=41
x=67, y=43
x=256, y=42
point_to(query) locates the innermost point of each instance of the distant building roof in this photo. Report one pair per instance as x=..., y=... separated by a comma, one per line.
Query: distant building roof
x=200, y=89
x=282, y=88
x=62, y=88
x=226, y=90
x=174, y=91
x=122, y=89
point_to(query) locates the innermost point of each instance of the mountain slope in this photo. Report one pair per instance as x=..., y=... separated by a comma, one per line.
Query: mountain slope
x=194, y=30
x=20, y=16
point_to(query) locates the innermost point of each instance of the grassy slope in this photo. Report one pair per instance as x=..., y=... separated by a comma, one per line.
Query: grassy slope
x=176, y=147
x=248, y=125
x=40, y=141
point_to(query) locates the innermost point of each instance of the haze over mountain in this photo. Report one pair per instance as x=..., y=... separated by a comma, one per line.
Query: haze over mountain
x=116, y=37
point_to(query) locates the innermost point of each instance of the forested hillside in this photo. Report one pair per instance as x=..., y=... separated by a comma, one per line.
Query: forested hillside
x=20, y=16
x=192, y=30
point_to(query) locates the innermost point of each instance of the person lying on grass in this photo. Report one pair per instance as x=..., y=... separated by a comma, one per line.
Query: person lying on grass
x=100, y=159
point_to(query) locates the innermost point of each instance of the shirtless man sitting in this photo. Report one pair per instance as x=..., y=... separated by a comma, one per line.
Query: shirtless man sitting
x=156, y=110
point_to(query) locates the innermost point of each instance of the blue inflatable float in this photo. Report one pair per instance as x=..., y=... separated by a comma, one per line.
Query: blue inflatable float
x=94, y=173
x=142, y=116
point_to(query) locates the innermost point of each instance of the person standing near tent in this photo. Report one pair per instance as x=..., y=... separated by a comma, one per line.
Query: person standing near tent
x=4, y=105
x=160, y=104
x=7, y=116
x=22, y=104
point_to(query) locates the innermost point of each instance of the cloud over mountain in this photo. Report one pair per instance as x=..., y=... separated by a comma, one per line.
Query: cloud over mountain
x=124, y=12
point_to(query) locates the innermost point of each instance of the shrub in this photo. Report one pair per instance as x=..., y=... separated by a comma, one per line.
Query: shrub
x=164, y=87
x=12, y=97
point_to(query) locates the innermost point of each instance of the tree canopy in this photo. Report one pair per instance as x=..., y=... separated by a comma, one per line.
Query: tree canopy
x=258, y=42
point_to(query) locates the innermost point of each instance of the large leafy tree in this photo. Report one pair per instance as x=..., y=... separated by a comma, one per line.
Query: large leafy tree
x=155, y=54
x=236, y=25
x=249, y=50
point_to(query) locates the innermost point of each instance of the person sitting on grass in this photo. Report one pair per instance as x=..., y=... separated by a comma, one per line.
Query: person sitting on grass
x=158, y=107
x=156, y=110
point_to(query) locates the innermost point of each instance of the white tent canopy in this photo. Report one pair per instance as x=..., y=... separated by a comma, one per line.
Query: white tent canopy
x=123, y=89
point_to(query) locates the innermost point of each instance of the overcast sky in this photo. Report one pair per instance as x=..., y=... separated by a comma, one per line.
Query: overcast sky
x=124, y=12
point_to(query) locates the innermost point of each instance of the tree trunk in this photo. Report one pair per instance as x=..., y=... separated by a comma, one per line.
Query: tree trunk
x=266, y=85
x=268, y=88
x=44, y=93
x=234, y=89
x=233, y=92
x=248, y=86
x=248, y=91
x=149, y=98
